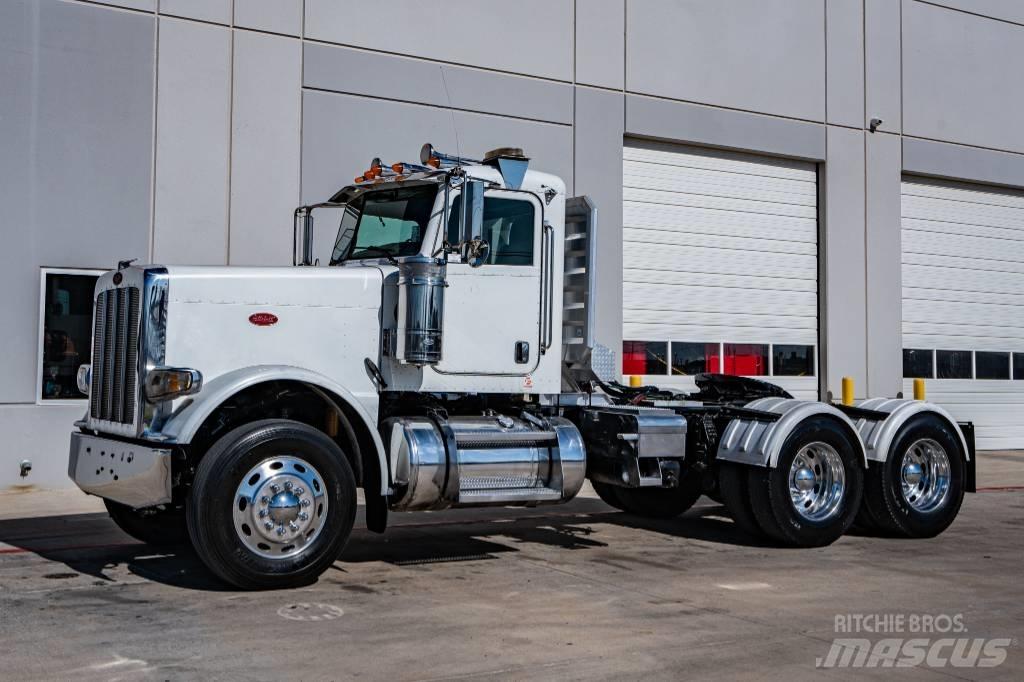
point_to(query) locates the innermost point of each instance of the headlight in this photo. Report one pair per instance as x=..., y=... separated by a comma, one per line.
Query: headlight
x=167, y=383
x=84, y=378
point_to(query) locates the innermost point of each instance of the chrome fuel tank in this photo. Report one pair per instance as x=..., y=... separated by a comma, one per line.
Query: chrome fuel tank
x=483, y=460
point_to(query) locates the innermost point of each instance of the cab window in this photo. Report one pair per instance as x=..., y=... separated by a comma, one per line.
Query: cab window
x=508, y=227
x=389, y=223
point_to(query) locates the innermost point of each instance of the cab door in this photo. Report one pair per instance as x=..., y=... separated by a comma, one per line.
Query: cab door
x=492, y=313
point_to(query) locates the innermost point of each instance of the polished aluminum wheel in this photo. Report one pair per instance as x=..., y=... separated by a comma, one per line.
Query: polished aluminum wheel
x=817, y=482
x=924, y=475
x=280, y=507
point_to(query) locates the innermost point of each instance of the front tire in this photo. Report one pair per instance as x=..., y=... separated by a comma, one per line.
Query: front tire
x=813, y=494
x=918, y=490
x=272, y=505
x=161, y=526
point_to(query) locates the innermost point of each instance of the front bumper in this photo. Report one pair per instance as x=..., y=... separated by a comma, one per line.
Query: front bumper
x=129, y=473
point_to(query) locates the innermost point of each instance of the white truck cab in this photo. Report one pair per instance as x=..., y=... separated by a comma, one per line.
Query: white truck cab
x=434, y=345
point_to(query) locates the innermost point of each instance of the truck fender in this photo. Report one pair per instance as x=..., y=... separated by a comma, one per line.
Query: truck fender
x=759, y=443
x=879, y=435
x=183, y=424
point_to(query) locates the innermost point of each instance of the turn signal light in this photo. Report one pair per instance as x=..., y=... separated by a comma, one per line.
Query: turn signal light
x=434, y=162
x=398, y=167
x=359, y=178
x=167, y=383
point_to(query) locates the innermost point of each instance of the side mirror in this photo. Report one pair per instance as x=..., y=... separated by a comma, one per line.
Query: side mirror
x=302, y=236
x=472, y=217
x=475, y=252
x=472, y=246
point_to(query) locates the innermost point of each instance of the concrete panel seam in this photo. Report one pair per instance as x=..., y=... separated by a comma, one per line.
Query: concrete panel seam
x=970, y=13
x=116, y=8
x=391, y=53
x=435, y=106
x=723, y=107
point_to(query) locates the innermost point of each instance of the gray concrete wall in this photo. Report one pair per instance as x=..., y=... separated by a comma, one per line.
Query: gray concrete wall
x=187, y=130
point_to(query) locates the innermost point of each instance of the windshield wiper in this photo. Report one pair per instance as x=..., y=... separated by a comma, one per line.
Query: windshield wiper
x=367, y=250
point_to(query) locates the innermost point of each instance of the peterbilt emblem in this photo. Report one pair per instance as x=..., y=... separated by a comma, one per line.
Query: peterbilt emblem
x=263, y=319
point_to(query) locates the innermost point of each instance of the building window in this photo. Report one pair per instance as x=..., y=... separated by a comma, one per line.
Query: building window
x=792, y=361
x=990, y=365
x=745, y=359
x=953, y=364
x=1018, y=366
x=694, y=358
x=644, y=357
x=917, y=363
x=65, y=313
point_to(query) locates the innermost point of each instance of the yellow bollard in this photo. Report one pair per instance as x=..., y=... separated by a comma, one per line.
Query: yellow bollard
x=635, y=381
x=847, y=390
x=918, y=389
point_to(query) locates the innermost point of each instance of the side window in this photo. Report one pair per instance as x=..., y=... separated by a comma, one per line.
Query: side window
x=508, y=228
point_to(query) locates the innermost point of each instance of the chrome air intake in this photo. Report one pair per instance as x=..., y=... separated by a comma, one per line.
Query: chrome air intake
x=481, y=461
x=421, y=285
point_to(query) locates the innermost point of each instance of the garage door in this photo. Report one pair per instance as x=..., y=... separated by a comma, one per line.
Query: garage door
x=963, y=303
x=720, y=266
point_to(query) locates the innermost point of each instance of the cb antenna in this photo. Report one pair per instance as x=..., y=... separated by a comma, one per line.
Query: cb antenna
x=451, y=111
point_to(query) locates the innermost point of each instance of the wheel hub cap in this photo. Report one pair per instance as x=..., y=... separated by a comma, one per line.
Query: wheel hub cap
x=817, y=482
x=284, y=507
x=804, y=479
x=925, y=475
x=912, y=473
x=280, y=506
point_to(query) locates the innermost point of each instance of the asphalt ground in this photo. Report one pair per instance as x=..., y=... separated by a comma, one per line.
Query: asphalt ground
x=579, y=591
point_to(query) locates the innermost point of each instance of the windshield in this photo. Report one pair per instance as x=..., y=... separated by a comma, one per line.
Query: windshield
x=384, y=223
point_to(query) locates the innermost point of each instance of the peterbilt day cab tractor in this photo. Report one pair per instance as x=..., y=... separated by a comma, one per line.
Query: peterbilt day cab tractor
x=434, y=345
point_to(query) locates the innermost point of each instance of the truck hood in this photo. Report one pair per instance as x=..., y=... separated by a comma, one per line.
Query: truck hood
x=331, y=287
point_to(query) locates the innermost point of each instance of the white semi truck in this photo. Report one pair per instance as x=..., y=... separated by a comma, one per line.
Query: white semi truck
x=434, y=346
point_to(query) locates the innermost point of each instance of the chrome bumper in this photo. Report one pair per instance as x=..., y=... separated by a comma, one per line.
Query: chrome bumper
x=135, y=475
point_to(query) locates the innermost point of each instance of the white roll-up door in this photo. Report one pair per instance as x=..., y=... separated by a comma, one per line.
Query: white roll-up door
x=963, y=303
x=720, y=266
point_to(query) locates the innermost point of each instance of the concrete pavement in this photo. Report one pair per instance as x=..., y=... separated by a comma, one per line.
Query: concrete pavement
x=573, y=592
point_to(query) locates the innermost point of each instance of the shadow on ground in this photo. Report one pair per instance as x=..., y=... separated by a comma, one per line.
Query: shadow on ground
x=90, y=544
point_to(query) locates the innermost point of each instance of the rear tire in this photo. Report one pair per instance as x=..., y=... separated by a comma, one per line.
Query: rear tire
x=272, y=505
x=606, y=492
x=653, y=503
x=814, y=492
x=929, y=505
x=732, y=484
x=160, y=526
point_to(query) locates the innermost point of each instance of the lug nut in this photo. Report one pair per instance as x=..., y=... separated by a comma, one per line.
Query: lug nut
x=305, y=503
x=300, y=490
x=303, y=516
x=263, y=513
x=275, y=487
x=268, y=525
x=264, y=500
x=287, y=485
x=280, y=530
x=293, y=525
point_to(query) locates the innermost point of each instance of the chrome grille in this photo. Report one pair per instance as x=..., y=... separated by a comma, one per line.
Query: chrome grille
x=115, y=356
